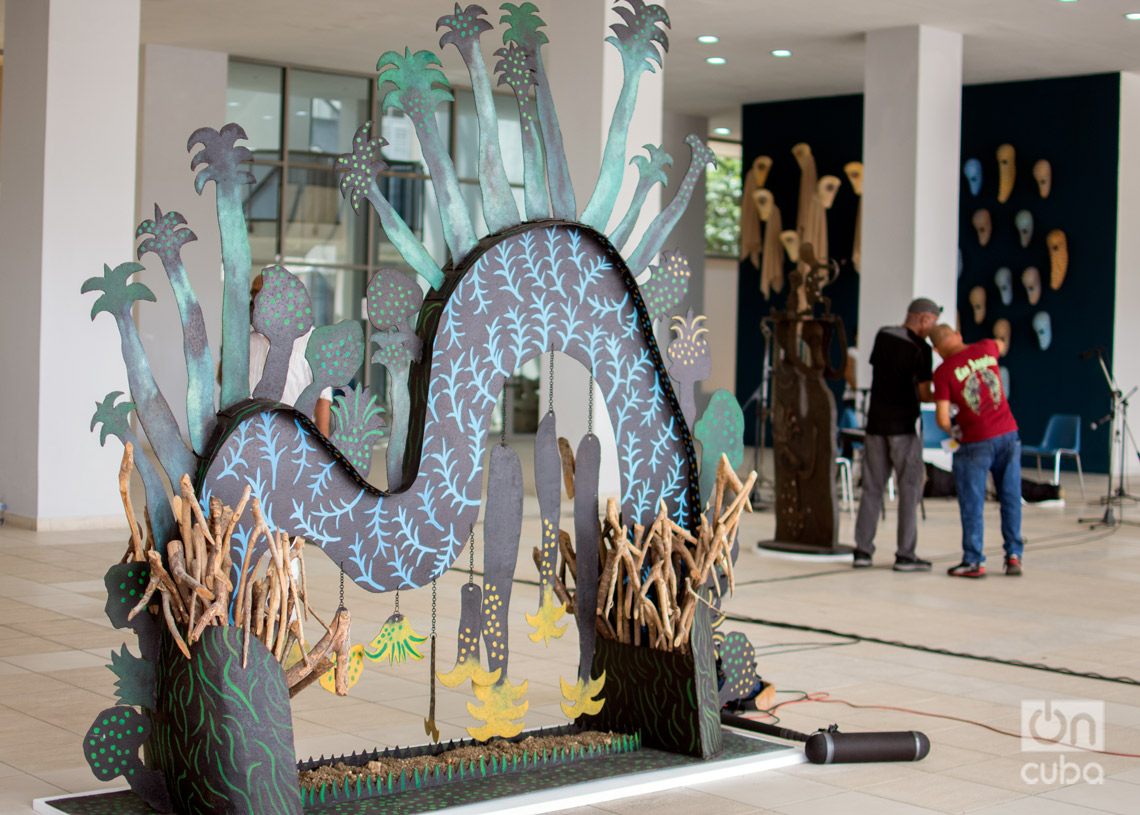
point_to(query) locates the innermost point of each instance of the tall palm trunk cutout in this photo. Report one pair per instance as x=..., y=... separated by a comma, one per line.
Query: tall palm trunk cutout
x=223, y=159
x=523, y=30
x=650, y=171
x=499, y=209
x=167, y=241
x=517, y=69
x=636, y=39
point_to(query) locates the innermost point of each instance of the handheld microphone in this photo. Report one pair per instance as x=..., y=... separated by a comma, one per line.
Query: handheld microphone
x=1092, y=352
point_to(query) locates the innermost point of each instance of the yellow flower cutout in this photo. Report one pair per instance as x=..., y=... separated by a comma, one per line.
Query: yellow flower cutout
x=545, y=621
x=397, y=640
x=355, y=669
x=498, y=710
x=581, y=698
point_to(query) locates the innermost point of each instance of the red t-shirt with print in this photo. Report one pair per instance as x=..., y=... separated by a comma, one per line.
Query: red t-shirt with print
x=970, y=379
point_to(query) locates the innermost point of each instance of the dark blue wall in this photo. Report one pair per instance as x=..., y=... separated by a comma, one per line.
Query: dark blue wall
x=1072, y=122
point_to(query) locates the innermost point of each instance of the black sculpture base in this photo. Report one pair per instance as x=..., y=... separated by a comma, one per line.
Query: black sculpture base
x=838, y=549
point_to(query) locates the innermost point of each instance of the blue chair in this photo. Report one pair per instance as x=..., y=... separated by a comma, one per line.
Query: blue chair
x=1062, y=438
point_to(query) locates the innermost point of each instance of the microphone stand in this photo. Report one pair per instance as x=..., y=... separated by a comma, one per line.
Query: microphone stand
x=760, y=397
x=1119, y=433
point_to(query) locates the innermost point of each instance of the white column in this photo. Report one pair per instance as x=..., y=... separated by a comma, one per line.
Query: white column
x=911, y=151
x=181, y=90
x=67, y=172
x=1126, y=330
x=585, y=78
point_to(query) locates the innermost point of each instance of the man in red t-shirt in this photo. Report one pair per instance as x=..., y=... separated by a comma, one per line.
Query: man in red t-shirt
x=968, y=377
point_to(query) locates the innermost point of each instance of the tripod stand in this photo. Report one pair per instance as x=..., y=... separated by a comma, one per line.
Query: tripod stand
x=1121, y=434
x=760, y=397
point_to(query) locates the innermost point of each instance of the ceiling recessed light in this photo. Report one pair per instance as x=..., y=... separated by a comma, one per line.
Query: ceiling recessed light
x=708, y=39
x=267, y=116
x=715, y=60
x=781, y=52
x=232, y=104
x=302, y=113
x=721, y=131
x=1132, y=15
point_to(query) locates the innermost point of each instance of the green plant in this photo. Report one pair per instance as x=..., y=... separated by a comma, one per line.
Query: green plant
x=723, y=190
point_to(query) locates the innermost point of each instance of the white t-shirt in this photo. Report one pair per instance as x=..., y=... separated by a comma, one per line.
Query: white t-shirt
x=299, y=377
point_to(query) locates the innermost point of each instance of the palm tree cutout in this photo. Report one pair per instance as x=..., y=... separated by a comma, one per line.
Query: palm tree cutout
x=668, y=286
x=166, y=240
x=721, y=433
x=690, y=360
x=517, y=69
x=153, y=411
x=650, y=171
x=419, y=89
x=359, y=423
x=636, y=39
x=392, y=300
x=115, y=422
x=523, y=24
x=335, y=352
x=499, y=209
x=223, y=160
x=663, y=224
x=283, y=313
x=358, y=171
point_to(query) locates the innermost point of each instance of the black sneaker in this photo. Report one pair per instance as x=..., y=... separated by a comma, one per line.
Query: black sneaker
x=967, y=570
x=915, y=565
x=1013, y=565
x=861, y=562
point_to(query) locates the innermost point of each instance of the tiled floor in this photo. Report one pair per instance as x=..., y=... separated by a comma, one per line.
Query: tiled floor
x=1075, y=607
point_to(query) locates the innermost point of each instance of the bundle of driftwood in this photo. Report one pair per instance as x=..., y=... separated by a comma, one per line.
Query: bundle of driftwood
x=192, y=586
x=647, y=591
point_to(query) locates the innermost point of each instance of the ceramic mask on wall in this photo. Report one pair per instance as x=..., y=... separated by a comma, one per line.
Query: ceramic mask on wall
x=1024, y=223
x=973, y=172
x=984, y=225
x=1002, y=332
x=978, y=304
x=1043, y=327
x=1003, y=279
x=1031, y=279
x=1007, y=172
x=1058, y=257
x=1043, y=175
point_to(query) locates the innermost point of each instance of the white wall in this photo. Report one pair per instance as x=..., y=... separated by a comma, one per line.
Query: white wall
x=1126, y=330
x=181, y=90
x=68, y=180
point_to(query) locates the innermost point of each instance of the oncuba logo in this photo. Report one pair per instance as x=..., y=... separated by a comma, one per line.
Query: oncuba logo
x=1059, y=726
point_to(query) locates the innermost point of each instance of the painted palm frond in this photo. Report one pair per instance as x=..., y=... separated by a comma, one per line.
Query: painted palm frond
x=464, y=27
x=523, y=24
x=650, y=171
x=359, y=424
x=166, y=236
x=635, y=38
x=115, y=419
x=358, y=171
x=420, y=85
x=118, y=294
x=222, y=157
x=518, y=69
x=420, y=88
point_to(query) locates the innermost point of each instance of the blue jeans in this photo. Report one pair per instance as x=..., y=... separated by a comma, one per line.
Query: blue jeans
x=1000, y=455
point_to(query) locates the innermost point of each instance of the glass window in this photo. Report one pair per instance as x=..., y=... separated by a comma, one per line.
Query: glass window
x=253, y=100
x=260, y=202
x=324, y=112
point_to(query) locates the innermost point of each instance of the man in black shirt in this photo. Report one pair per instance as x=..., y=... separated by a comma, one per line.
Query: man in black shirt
x=903, y=365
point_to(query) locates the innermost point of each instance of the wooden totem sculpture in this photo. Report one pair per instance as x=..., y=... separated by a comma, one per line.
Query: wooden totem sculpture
x=803, y=415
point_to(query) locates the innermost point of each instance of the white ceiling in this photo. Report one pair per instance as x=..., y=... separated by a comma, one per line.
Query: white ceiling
x=1004, y=39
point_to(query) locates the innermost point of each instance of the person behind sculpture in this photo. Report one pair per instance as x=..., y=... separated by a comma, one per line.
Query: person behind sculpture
x=968, y=377
x=902, y=366
x=300, y=374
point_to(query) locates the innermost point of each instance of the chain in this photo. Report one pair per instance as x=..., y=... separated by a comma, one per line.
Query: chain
x=433, y=608
x=341, y=585
x=471, y=561
x=503, y=423
x=550, y=393
x=590, y=408
x=397, y=611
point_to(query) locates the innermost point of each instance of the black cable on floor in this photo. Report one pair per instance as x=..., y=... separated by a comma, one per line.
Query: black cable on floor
x=1016, y=663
